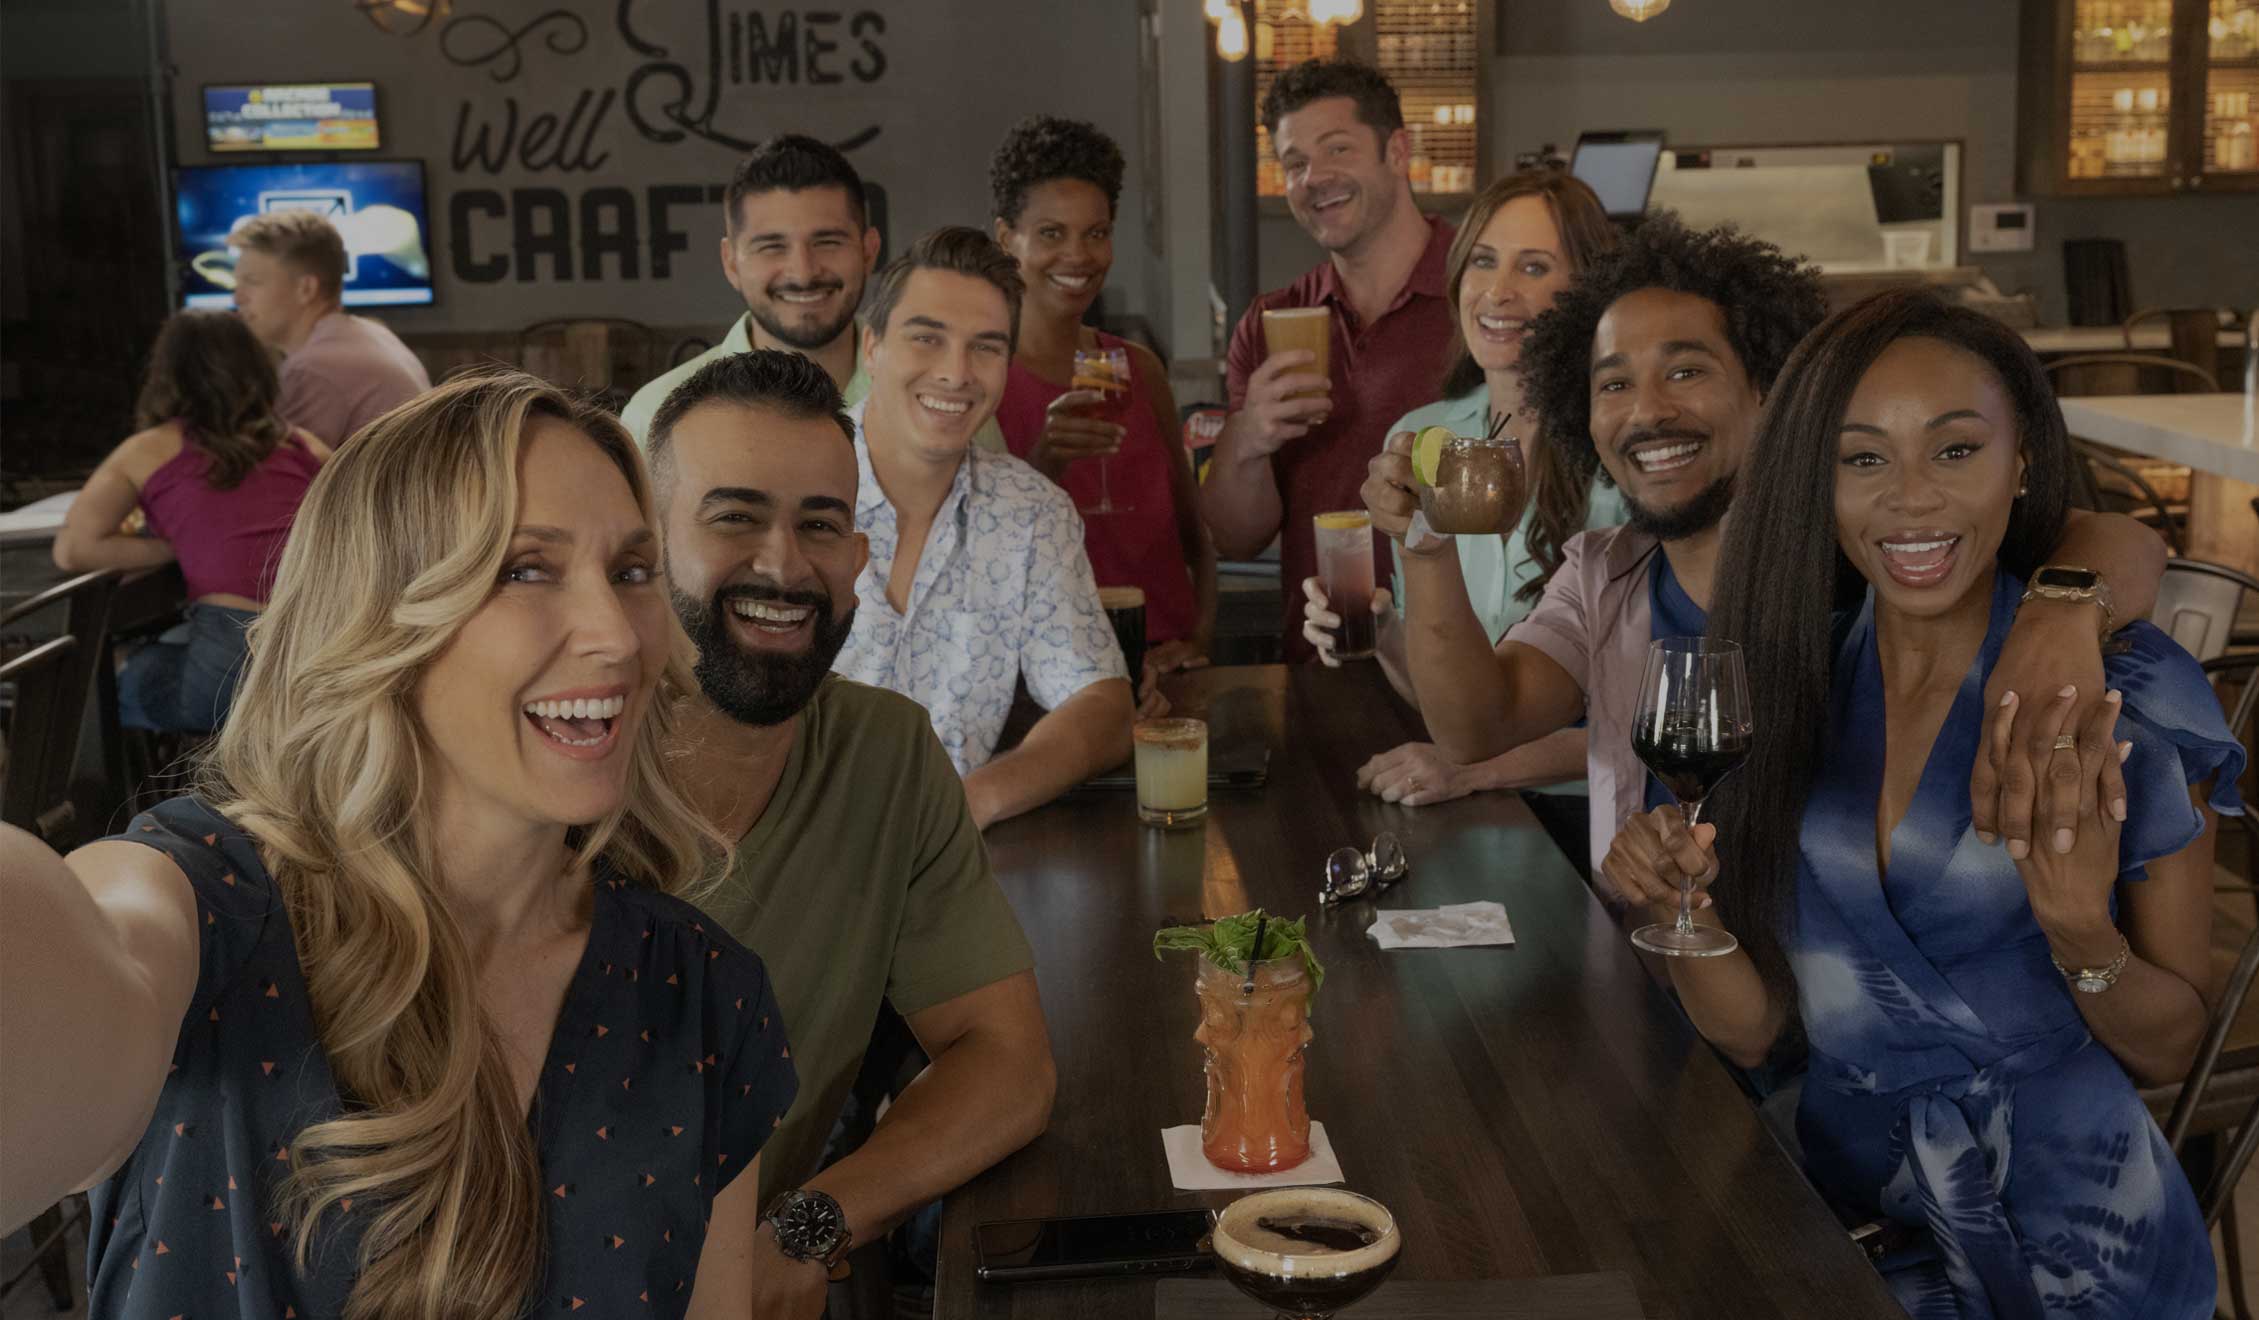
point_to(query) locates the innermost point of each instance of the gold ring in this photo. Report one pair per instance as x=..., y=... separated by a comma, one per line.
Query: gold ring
x=2065, y=742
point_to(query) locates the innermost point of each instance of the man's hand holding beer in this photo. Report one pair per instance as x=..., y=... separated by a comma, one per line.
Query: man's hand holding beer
x=1280, y=405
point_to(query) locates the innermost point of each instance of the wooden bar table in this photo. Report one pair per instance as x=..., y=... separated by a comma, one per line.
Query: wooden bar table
x=1535, y=1110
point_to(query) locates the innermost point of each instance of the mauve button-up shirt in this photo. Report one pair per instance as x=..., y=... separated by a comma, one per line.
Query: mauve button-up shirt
x=1595, y=622
x=349, y=372
x=1380, y=372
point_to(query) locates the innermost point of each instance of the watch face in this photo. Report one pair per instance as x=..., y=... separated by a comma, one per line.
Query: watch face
x=2092, y=985
x=810, y=1223
x=2077, y=579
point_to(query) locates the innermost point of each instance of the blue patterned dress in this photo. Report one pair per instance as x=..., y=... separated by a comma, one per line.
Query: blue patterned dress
x=1953, y=1084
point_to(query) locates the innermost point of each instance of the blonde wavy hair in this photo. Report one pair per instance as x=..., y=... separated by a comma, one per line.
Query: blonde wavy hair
x=323, y=760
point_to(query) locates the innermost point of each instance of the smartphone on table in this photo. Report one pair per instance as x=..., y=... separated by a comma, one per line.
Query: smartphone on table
x=1093, y=1246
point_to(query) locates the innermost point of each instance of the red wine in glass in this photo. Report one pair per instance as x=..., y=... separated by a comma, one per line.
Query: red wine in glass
x=1688, y=763
x=1693, y=730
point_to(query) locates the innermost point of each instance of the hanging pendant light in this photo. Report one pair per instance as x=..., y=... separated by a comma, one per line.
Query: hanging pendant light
x=403, y=17
x=1231, y=36
x=1323, y=12
x=1639, y=11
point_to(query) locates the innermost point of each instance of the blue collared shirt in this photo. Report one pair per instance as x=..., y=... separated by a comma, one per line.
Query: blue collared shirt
x=1003, y=592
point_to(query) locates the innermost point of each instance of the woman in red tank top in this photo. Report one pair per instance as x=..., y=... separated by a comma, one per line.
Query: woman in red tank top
x=217, y=476
x=1055, y=184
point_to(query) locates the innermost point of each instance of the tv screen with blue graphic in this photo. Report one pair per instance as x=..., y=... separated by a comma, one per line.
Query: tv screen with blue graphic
x=291, y=117
x=377, y=205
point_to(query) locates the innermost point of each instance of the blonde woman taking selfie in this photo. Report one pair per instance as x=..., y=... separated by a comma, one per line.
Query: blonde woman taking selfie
x=403, y=1013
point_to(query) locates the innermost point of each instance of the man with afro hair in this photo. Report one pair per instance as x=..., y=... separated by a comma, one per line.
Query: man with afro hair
x=1654, y=366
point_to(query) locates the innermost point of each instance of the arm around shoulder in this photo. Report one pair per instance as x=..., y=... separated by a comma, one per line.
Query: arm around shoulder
x=98, y=964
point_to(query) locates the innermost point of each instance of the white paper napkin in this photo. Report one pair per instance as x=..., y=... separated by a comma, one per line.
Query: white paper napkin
x=1452, y=926
x=1191, y=1171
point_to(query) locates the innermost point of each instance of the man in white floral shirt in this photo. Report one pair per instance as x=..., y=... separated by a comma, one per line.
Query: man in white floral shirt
x=977, y=577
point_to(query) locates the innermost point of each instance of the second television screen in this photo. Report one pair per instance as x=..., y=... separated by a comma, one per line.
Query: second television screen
x=291, y=117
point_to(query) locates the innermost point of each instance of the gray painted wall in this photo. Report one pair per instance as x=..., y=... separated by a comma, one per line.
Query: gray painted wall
x=1715, y=72
x=939, y=83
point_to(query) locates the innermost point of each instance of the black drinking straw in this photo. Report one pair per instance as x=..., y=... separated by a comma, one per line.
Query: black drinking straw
x=1248, y=987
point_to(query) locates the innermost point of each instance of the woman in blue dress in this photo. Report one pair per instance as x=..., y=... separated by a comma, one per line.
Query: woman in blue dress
x=1977, y=1021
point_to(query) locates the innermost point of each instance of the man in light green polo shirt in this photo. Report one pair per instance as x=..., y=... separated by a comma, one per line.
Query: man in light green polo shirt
x=797, y=245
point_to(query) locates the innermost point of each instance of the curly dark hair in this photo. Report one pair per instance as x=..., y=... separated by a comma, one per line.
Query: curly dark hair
x=1770, y=301
x=1041, y=148
x=1315, y=80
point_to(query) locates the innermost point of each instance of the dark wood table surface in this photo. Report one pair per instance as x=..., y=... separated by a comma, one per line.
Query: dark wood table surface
x=1537, y=1110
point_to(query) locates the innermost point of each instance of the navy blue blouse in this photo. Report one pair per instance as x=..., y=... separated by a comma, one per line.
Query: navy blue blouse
x=667, y=1070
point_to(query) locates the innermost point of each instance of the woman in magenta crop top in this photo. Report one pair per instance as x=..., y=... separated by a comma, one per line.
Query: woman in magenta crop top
x=218, y=477
x=1055, y=184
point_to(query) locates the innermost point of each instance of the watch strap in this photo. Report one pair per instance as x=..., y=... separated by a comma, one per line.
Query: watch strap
x=2096, y=593
x=2095, y=980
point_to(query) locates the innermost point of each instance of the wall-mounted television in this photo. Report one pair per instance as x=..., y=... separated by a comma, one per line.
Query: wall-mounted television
x=377, y=205
x=339, y=116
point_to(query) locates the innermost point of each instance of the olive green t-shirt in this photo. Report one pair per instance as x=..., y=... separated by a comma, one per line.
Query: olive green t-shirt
x=864, y=879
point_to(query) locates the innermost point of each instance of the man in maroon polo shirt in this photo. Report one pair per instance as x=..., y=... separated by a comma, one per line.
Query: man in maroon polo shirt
x=1285, y=455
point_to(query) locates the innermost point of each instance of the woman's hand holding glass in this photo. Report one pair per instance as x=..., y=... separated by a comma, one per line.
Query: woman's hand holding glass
x=1655, y=855
x=1392, y=495
x=1071, y=433
x=1321, y=627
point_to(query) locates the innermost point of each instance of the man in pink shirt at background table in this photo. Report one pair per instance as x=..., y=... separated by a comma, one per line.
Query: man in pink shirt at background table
x=339, y=372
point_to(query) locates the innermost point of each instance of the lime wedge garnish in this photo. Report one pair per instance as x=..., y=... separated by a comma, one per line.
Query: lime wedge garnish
x=1427, y=451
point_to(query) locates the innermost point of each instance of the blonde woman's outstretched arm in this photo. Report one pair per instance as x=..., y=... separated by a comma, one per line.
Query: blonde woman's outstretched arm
x=98, y=961
x=723, y=1289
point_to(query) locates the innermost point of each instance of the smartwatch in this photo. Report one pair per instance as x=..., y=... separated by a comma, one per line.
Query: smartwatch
x=2068, y=582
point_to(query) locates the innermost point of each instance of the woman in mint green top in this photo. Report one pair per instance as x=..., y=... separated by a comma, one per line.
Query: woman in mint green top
x=1523, y=241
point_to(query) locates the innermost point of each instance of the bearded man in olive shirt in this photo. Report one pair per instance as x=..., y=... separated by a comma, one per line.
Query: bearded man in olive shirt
x=1297, y=442
x=859, y=874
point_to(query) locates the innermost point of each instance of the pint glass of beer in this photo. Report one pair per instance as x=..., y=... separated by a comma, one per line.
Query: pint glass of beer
x=1125, y=609
x=1309, y=328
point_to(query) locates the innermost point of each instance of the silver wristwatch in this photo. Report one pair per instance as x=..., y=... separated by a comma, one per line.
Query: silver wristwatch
x=811, y=1227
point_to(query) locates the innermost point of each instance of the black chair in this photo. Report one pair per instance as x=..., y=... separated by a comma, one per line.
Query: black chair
x=85, y=603
x=2198, y=603
x=35, y=796
x=2103, y=482
x=2195, y=335
x=605, y=357
x=2086, y=374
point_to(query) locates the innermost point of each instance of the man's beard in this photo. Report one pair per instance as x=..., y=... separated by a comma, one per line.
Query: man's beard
x=1692, y=518
x=801, y=336
x=760, y=687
